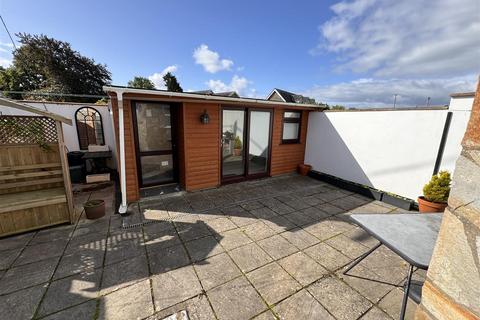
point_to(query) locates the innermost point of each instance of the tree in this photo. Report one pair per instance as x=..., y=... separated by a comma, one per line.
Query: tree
x=337, y=107
x=44, y=65
x=141, y=83
x=172, y=83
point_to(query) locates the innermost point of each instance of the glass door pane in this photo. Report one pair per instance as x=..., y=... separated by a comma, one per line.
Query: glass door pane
x=155, y=147
x=259, y=142
x=154, y=127
x=233, y=132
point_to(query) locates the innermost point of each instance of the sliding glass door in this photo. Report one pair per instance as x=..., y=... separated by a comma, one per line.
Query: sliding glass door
x=246, y=137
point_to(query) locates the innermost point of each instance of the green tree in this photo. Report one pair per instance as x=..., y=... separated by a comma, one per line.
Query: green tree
x=141, y=83
x=44, y=65
x=171, y=83
x=337, y=107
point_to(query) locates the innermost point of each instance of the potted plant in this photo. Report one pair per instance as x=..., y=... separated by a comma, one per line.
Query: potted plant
x=435, y=193
x=303, y=169
x=237, y=146
x=94, y=209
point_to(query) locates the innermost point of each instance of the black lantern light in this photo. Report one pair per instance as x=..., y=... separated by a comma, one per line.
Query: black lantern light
x=205, y=118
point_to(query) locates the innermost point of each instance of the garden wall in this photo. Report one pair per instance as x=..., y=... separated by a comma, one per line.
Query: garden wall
x=393, y=150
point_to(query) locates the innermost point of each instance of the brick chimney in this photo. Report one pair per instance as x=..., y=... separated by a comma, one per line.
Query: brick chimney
x=452, y=287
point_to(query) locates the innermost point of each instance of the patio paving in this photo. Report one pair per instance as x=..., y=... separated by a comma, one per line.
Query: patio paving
x=264, y=249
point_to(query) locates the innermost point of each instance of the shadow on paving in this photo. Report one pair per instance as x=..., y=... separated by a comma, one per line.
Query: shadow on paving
x=98, y=265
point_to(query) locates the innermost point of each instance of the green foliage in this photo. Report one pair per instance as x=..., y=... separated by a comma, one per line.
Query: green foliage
x=438, y=189
x=171, y=83
x=337, y=107
x=238, y=143
x=43, y=64
x=141, y=83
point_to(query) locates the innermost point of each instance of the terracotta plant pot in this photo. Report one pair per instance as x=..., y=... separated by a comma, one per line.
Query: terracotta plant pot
x=237, y=152
x=427, y=206
x=94, y=209
x=303, y=169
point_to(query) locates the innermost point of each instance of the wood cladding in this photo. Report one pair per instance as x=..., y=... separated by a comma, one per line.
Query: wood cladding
x=286, y=157
x=198, y=146
x=201, y=146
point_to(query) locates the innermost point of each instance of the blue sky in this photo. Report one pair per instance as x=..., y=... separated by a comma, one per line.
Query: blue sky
x=356, y=53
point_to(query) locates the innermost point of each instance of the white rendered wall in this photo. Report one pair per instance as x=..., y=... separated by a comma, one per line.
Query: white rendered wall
x=70, y=132
x=394, y=151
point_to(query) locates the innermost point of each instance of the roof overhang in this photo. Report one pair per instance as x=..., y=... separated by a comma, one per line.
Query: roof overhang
x=462, y=95
x=25, y=107
x=182, y=96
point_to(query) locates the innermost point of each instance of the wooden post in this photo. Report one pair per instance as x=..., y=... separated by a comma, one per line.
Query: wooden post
x=66, y=172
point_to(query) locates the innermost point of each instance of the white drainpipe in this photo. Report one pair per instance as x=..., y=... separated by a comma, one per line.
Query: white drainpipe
x=123, y=177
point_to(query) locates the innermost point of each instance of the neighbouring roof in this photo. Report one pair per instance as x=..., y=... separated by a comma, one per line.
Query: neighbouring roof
x=223, y=94
x=25, y=107
x=462, y=94
x=289, y=97
x=206, y=95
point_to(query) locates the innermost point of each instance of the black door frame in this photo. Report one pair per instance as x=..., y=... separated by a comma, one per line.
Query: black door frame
x=174, y=152
x=246, y=143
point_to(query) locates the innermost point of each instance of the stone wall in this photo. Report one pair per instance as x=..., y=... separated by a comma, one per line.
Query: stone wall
x=452, y=287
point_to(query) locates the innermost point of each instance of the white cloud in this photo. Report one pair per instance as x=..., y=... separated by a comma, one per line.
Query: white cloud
x=415, y=38
x=379, y=93
x=5, y=62
x=210, y=60
x=241, y=85
x=157, y=77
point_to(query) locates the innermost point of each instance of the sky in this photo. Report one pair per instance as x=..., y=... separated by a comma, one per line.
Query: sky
x=357, y=53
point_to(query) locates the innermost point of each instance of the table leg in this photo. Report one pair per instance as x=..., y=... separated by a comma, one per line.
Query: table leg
x=405, y=293
x=363, y=256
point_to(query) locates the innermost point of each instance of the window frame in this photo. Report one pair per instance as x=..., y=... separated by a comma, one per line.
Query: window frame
x=292, y=120
x=78, y=133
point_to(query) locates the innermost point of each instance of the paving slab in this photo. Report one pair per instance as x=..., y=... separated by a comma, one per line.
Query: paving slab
x=267, y=315
x=53, y=234
x=119, y=250
x=232, y=239
x=79, y=261
x=124, y=273
x=191, y=231
x=196, y=308
x=339, y=299
x=221, y=225
x=347, y=246
x=277, y=247
x=249, y=257
x=300, y=238
x=17, y=241
x=175, y=286
x=27, y=275
x=7, y=257
x=216, y=270
x=273, y=283
x=301, y=306
x=329, y=209
x=303, y=268
x=376, y=314
x=236, y=299
x=41, y=251
x=370, y=285
x=70, y=291
x=134, y=302
x=203, y=248
x=167, y=259
x=257, y=231
x=21, y=304
x=84, y=311
x=392, y=304
x=327, y=256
